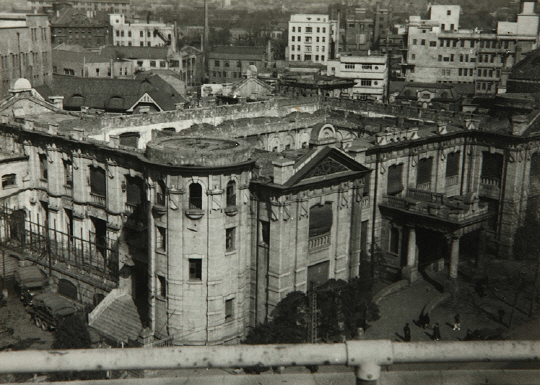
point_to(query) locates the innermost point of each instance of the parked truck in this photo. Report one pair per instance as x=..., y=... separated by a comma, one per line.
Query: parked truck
x=49, y=309
x=29, y=281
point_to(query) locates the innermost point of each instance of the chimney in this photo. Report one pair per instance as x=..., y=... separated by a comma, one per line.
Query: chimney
x=57, y=101
x=114, y=141
x=519, y=124
x=283, y=170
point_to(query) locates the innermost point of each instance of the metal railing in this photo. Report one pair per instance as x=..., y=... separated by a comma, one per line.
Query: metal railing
x=366, y=357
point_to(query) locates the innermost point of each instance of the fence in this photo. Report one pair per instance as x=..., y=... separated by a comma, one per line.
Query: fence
x=94, y=255
x=366, y=357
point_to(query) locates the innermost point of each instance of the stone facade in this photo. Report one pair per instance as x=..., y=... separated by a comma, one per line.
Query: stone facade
x=208, y=233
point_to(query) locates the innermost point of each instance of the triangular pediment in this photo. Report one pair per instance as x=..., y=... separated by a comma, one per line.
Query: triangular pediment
x=325, y=164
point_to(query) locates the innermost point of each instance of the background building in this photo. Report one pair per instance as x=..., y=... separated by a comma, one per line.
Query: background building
x=370, y=74
x=25, y=50
x=312, y=38
x=438, y=51
x=76, y=27
x=141, y=34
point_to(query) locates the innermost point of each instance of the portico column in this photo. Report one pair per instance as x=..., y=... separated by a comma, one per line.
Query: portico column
x=411, y=247
x=454, y=257
x=410, y=272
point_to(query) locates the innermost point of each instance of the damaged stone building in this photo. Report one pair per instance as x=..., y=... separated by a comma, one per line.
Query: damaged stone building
x=190, y=226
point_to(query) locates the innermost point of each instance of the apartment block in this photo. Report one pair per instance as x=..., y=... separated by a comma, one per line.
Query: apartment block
x=438, y=51
x=149, y=34
x=370, y=74
x=25, y=50
x=312, y=38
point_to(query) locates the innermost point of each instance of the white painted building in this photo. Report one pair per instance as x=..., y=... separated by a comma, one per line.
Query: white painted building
x=151, y=34
x=370, y=74
x=311, y=38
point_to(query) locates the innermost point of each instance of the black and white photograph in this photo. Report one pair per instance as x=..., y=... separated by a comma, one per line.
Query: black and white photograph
x=270, y=191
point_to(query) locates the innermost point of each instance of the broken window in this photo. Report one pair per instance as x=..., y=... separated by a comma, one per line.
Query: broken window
x=320, y=219
x=229, y=309
x=195, y=196
x=492, y=166
x=98, y=182
x=43, y=173
x=8, y=181
x=68, y=172
x=265, y=233
x=195, y=269
x=452, y=164
x=424, y=171
x=231, y=193
x=134, y=190
x=230, y=239
x=161, y=238
x=129, y=139
x=395, y=184
x=160, y=192
x=162, y=286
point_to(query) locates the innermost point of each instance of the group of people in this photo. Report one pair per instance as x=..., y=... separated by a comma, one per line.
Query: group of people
x=425, y=322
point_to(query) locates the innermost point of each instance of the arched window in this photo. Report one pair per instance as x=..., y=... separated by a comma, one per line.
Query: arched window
x=320, y=219
x=195, y=196
x=231, y=193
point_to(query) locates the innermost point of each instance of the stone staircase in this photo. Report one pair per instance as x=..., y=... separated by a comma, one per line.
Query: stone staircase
x=118, y=319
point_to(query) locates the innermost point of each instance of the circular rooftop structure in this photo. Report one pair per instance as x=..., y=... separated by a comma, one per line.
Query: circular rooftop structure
x=190, y=151
x=21, y=85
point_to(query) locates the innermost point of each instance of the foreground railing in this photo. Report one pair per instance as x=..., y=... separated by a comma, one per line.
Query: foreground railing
x=366, y=357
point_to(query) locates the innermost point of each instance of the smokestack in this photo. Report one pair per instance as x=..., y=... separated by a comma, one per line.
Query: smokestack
x=338, y=32
x=205, y=24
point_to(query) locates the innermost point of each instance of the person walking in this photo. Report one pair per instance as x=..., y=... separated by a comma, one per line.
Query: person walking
x=457, y=322
x=436, y=332
x=407, y=333
x=427, y=321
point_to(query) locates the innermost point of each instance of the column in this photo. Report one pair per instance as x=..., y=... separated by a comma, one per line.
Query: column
x=454, y=257
x=411, y=247
x=410, y=272
x=451, y=284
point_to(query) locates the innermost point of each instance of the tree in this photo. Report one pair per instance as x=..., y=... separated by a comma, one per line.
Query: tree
x=72, y=333
x=527, y=245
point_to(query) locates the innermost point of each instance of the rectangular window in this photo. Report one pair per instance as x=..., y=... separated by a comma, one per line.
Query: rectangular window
x=230, y=239
x=424, y=171
x=265, y=233
x=43, y=172
x=395, y=184
x=161, y=238
x=365, y=83
x=433, y=44
x=68, y=173
x=423, y=42
x=8, y=181
x=452, y=164
x=229, y=309
x=162, y=286
x=195, y=269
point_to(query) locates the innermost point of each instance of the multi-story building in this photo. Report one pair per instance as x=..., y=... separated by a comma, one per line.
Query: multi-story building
x=229, y=63
x=25, y=50
x=438, y=51
x=204, y=236
x=76, y=27
x=312, y=38
x=370, y=74
x=139, y=34
x=110, y=6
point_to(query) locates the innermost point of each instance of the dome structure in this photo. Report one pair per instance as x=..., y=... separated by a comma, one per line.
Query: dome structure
x=21, y=85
